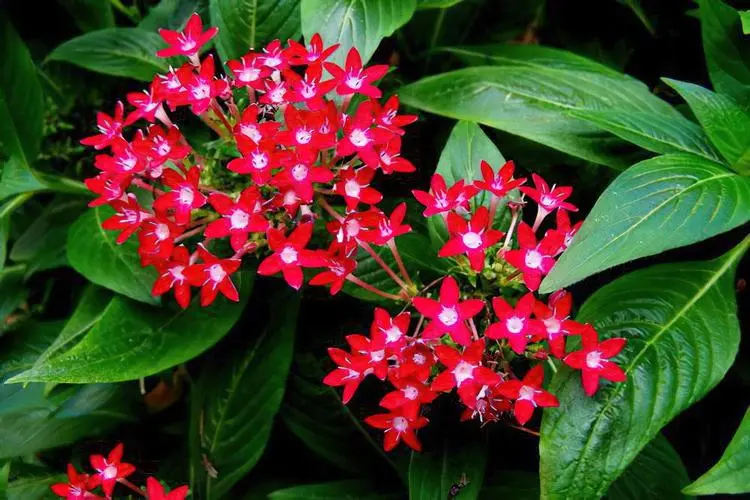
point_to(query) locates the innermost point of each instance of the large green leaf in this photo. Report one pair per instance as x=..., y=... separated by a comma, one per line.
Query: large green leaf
x=434, y=472
x=140, y=340
x=662, y=203
x=234, y=404
x=725, y=122
x=93, y=252
x=21, y=98
x=251, y=24
x=681, y=324
x=731, y=474
x=726, y=48
x=173, y=14
x=128, y=52
x=18, y=178
x=31, y=482
x=90, y=15
x=354, y=23
x=12, y=291
x=533, y=101
x=352, y=489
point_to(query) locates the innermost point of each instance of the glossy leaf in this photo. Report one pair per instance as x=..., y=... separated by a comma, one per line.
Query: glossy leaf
x=683, y=335
x=21, y=98
x=172, y=14
x=31, y=482
x=724, y=121
x=434, y=472
x=352, y=489
x=128, y=52
x=251, y=24
x=235, y=404
x=731, y=474
x=354, y=23
x=745, y=20
x=18, y=178
x=12, y=291
x=90, y=15
x=93, y=252
x=141, y=340
x=662, y=203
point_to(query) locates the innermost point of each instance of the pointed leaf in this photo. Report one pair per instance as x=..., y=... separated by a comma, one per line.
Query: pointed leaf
x=90, y=15
x=434, y=472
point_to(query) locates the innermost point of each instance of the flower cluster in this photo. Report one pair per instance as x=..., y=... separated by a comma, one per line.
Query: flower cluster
x=110, y=471
x=283, y=145
x=476, y=341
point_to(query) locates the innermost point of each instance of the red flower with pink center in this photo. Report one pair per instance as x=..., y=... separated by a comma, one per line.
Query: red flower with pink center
x=276, y=93
x=386, y=228
x=528, y=394
x=361, y=138
x=172, y=277
x=339, y=267
x=110, y=127
x=258, y=160
x=77, y=487
x=249, y=71
x=390, y=158
x=274, y=57
x=464, y=371
x=354, y=79
x=202, y=87
x=448, y=314
x=156, y=239
x=471, y=238
x=534, y=259
x=290, y=255
x=500, y=184
x=352, y=369
x=309, y=89
x=354, y=186
x=594, y=360
x=440, y=199
x=555, y=317
x=416, y=360
x=398, y=426
x=374, y=350
x=302, y=133
x=189, y=41
x=124, y=160
x=109, y=187
x=314, y=53
x=238, y=218
x=184, y=196
x=146, y=103
x=213, y=275
x=387, y=116
x=155, y=491
x=515, y=323
x=409, y=395
x=249, y=127
x=300, y=174
x=128, y=217
x=394, y=329
x=548, y=199
x=109, y=470
x=159, y=147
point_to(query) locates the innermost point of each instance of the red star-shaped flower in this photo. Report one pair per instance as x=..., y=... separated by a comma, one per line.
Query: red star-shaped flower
x=464, y=371
x=528, y=394
x=440, y=199
x=213, y=275
x=471, y=238
x=189, y=41
x=238, y=218
x=290, y=255
x=594, y=360
x=499, y=184
x=155, y=491
x=398, y=426
x=110, y=469
x=534, y=259
x=354, y=79
x=515, y=324
x=77, y=487
x=448, y=315
x=171, y=276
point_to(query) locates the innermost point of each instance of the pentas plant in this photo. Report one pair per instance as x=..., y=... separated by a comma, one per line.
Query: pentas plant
x=484, y=333
x=107, y=473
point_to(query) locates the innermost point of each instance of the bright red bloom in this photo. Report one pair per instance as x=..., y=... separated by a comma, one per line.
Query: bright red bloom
x=374, y=350
x=77, y=487
x=386, y=116
x=390, y=157
x=313, y=53
x=213, y=276
x=110, y=127
x=388, y=227
x=238, y=218
x=155, y=491
x=534, y=259
x=189, y=41
x=274, y=57
x=171, y=277
x=398, y=426
x=300, y=175
x=249, y=71
x=515, y=324
x=501, y=184
x=302, y=133
x=160, y=147
x=393, y=328
x=249, y=127
x=124, y=160
x=156, y=239
x=184, y=196
x=555, y=317
x=409, y=395
x=528, y=394
x=109, y=187
x=146, y=103
x=594, y=360
x=440, y=199
x=361, y=138
x=290, y=255
x=276, y=93
x=258, y=160
x=549, y=199
x=201, y=87
x=489, y=405
x=356, y=79
x=416, y=360
x=352, y=369
x=339, y=267
x=470, y=237
x=464, y=371
x=127, y=218
x=109, y=470
x=354, y=186
x=309, y=89
x=448, y=315
x=564, y=228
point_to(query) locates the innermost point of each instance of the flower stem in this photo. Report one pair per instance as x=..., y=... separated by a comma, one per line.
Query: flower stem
x=524, y=429
x=541, y=213
x=400, y=262
x=192, y=232
x=148, y=187
x=493, y=209
x=372, y=289
x=511, y=229
x=328, y=208
x=130, y=485
x=367, y=248
x=220, y=113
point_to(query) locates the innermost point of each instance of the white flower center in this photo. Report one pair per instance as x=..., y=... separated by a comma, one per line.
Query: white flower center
x=127, y=162
x=277, y=94
x=303, y=136
x=377, y=355
x=462, y=372
x=288, y=255
x=419, y=359
x=547, y=201
x=187, y=43
x=411, y=392
x=533, y=259
x=400, y=424
x=163, y=148
x=186, y=196
x=441, y=201
x=552, y=325
x=239, y=219
x=260, y=161
x=272, y=61
x=352, y=188
x=359, y=138
x=526, y=393
x=472, y=240
x=514, y=324
x=290, y=198
x=308, y=90
x=354, y=81
x=161, y=232
x=217, y=273
x=448, y=316
x=201, y=91
x=594, y=359
x=110, y=472
x=299, y=172
x=393, y=334
x=176, y=273
x=251, y=131
x=249, y=75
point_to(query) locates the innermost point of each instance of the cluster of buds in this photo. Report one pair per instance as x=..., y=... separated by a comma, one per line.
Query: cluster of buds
x=110, y=471
x=475, y=341
x=289, y=146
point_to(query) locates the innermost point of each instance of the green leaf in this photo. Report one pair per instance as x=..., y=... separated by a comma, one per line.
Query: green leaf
x=724, y=121
x=21, y=98
x=727, y=54
x=31, y=482
x=745, y=20
x=90, y=15
x=235, y=404
x=352, y=489
x=683, y=334
x=731, y=474
x=533, y=101
x=518, y=485
x=433, y=473
x=140, y=340
x=172, y=14
x=12, y=291
x=637, y=9
x=128, y=52
x=93, y=252
x=662, y=203
x=21, y=347
x=18, y=178
x=354, y=23
x=251, y=24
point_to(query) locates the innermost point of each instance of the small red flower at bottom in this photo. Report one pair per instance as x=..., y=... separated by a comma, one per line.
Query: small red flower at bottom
x=110, y=469
x=464, y=371
x=290, y=255
x=398, y=426
x=155, y=491
x=213, y=276
x=593, y=360
x=76, y=488
x=528, y=394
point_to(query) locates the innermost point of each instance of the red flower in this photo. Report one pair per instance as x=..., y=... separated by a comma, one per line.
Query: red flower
x=274, y=57
x=290, y=255
x=276, y=93
x=393, y=328
x=352, y=369
x=249, y=127
x=184, y=196
x=374, y=350
x=76, y=488
x=354, y=186
x=124, y=160
x=528, y=394
x=109, y=470
x=594, y=360
x=390, y=157
x=387, y=117
x=302, y=133
x=409, y=396
x=441, y=199
x=155, y=491
x=489, y=405
x=555, y=316
x=128, y=218
x=534, y=260
x=249, y=71
x=387, y=227
x=300, y=175
x=564, y=228
x=313, y=53
x=213, y=276
x=361, y=138
x=448, y=315
x=201, y=87
x=339, y=267
x=309, y=89
x=354, y=78
x=548, y=199
x=156, y=239
x=258, y=160
x=146, y=103
x=501, y=184
x=464, y=371
x=109, y=187
x=189, y=41
x=160, y=147
x=515, y=324
x=239, y=218
x=471, y=238
x=110, y=127
x=416, y=360
x=398, y=426
x=171, y=276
